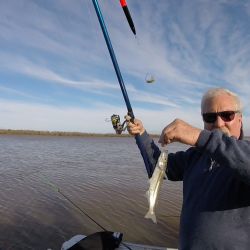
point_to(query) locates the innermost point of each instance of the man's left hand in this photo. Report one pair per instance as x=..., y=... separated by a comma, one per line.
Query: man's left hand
x=179, y=131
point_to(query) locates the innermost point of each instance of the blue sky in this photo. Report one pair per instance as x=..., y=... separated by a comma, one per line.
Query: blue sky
x=56, y=72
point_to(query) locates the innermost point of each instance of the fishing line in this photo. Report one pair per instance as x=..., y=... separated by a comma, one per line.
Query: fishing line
x=149, y=77
x=57, y=189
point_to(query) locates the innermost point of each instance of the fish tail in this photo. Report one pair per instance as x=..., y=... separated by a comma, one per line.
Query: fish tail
x=151, y=215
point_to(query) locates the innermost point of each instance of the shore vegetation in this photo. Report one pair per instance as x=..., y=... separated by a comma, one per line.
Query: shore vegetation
x=61, y=133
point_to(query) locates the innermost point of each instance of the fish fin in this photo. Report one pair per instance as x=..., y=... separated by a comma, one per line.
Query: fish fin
x=151, y=215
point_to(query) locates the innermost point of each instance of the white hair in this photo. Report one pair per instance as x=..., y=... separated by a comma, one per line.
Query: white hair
x=218, y=91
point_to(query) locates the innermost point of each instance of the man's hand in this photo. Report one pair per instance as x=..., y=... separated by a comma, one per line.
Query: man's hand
x=135, y=127
x=179, y=131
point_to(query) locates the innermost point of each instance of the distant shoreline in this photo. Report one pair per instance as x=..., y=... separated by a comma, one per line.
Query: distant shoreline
x=61, y=133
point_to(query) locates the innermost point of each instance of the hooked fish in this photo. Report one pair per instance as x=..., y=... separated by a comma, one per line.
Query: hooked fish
x=155, y=184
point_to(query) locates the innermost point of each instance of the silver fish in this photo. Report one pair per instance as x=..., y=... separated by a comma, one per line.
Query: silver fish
x=155, y=183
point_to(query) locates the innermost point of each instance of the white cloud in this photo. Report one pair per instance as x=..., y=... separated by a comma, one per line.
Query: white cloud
x=188, y=46
x=19, y=115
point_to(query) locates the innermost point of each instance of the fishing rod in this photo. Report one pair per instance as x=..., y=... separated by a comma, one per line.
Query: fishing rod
x=128, y=16
x=148, y=164
x=113, y=57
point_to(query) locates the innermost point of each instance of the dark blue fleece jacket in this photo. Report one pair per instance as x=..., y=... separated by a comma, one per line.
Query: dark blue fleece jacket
x=216, y=190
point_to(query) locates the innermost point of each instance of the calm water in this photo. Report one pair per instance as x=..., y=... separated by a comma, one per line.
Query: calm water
x=105, y=177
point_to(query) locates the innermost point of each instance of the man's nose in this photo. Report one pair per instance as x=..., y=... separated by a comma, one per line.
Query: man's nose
x=219, y=122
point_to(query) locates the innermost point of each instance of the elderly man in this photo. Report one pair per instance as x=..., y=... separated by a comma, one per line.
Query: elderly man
x=215, y=172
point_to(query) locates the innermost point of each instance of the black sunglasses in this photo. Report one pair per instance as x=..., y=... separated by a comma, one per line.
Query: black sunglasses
x=226, y=116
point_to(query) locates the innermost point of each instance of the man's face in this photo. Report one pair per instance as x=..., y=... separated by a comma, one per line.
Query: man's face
x=223, y=102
